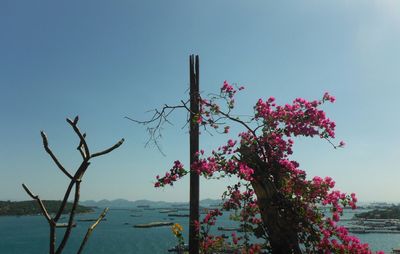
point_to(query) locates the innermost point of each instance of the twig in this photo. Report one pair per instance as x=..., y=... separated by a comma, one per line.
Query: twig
x=158, y=118
x=108, y=150
x=330, y=142
x=90, y=230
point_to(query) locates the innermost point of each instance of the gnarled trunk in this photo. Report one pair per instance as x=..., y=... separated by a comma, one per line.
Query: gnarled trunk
x=282, y=232
x=277, y=214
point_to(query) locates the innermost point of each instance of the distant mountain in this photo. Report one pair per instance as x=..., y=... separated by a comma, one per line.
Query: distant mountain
x=210, y=202
x=123, y=203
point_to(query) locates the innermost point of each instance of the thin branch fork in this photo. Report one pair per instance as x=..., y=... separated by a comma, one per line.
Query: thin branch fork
x=40, y=202
x=158, y=114
x=80, y=147
x=159, y=117
x=80, y=135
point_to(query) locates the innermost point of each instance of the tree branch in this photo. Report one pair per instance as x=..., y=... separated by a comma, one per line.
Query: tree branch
x=80, y=147
x=71, y=218
x=75, y=181
x=90, y=230
x=48, y=150
x=158, y=119
x=80, y=135
x=39, y=201
x=108, y=150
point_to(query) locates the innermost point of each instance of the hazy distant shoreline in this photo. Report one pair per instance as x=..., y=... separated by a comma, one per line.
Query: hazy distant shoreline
x=22, y=208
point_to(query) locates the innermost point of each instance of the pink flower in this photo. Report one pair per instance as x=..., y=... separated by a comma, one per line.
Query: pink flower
x=271, y=144
x=234, y=238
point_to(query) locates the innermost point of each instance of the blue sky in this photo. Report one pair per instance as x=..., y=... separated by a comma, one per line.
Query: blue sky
x=103, y=60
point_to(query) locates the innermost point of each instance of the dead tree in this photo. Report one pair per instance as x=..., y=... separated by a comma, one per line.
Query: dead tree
x=75, y=183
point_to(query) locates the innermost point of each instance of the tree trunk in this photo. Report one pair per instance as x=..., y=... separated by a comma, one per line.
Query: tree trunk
x=277, y=214
x=280, y=228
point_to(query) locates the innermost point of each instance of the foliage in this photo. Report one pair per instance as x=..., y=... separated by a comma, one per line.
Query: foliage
x=273, y=195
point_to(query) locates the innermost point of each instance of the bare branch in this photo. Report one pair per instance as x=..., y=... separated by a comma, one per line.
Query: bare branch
x=33, y=196
x=71, y=218
x=158, y=115
x=48, y=150
x=158, y=118
x=90, y=230
x=39, y=201
x=109, y=149
x=76, y=119
x=64, y=202
x=80, y=135
x=75, y=181
x=80, y=147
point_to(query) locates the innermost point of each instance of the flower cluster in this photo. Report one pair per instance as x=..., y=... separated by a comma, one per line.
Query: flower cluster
x=274, y=185
x=175, y=173
x=177, y=232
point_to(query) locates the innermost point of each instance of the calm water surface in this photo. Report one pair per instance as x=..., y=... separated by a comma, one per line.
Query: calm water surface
x=29, y=234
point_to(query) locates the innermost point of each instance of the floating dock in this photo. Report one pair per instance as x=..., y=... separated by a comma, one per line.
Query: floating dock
x=154, y=224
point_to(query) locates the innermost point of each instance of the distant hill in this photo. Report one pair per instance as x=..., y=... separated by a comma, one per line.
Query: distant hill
x=123, y=203
x=210, y=202
x=31, y=207
x=392, y=212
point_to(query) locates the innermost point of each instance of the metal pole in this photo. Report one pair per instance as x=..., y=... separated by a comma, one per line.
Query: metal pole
x=194, y=148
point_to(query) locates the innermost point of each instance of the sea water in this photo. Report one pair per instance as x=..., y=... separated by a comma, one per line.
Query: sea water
x=30, y=234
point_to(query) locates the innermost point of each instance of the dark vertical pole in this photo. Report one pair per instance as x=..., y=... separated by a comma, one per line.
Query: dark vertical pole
x=194, y=148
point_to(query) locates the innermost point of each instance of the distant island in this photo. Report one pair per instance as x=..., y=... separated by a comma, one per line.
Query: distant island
x=147, y=204
x=390, y=212
x=32, y=208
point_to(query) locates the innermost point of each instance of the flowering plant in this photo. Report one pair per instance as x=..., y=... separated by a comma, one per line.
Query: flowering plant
x=275, y=199
x=177, y=232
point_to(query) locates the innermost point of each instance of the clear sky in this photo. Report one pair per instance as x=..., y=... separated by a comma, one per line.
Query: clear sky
x=103, y=60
